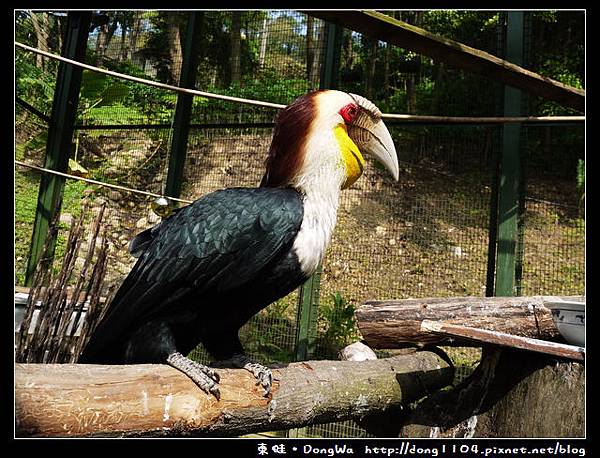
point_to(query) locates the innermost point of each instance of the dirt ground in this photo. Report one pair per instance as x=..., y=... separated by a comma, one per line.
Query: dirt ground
x=425, y=235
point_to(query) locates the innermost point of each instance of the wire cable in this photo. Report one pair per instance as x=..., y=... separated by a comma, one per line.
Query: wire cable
x=100, y=183
x=394, y=116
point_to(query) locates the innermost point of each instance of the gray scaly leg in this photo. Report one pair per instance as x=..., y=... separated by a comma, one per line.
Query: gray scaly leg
x=263, y=374
x=203, y=376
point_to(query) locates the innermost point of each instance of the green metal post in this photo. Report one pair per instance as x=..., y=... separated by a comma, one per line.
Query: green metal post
x=308, y=297
x=183, y=109
x=307, y=316
x=60, y=135
x=525, y=110
x=331, y=61
x=510, y=175
x=493, y=227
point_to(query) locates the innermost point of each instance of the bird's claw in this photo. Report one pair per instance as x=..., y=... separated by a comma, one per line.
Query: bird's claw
x=215, y=392
x=263, y=374
x=206, y=378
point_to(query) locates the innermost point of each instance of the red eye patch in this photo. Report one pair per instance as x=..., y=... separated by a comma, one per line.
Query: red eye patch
x=349, y=112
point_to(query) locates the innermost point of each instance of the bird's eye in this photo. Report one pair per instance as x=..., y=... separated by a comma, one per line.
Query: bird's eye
x=349, y=112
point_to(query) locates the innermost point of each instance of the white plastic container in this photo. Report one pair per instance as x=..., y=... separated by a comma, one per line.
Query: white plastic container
x=569, y=318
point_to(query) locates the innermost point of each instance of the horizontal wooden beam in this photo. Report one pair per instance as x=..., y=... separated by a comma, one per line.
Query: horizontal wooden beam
x=77, y=400
x=407, y=36
x=397, y=323
x=485, y=337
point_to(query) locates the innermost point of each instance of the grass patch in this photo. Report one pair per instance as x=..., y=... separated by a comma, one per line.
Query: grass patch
x=26, y=191
x=26, y=195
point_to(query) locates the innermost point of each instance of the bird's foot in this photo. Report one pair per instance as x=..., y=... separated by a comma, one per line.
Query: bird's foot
x=205, y=377
x=263, y=374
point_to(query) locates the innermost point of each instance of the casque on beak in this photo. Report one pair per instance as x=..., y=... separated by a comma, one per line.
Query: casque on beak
x=372, y=136
x=369, y=133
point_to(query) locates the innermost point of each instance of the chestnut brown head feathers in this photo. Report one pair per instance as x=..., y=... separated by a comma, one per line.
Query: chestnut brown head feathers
x=327, y=129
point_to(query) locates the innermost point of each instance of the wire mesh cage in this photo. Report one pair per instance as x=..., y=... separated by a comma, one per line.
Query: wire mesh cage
x=425, y=236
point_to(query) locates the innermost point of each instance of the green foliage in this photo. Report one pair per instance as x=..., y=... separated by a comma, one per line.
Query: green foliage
x=265, y=86
x=33, y=84
x=104, y=100
x=26, y=194
x=269, y=86
x=26, y=191
x=157, y=46
x=338, y=320
x=113, y=114
x=263, y=335
x=155, y=104
x=469, y=27
x=35, y=145
x=558, y=52
x=102, y=89
x=556, y=68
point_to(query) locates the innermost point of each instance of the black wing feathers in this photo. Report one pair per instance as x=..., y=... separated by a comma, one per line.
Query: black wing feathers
x=218, y=243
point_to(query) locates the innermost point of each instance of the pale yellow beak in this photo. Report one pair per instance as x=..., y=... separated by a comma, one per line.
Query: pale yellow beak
x=374, y=138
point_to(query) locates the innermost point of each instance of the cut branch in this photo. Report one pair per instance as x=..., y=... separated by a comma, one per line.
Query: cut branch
x=396, y=323
x=71, y=400
x=482, y=336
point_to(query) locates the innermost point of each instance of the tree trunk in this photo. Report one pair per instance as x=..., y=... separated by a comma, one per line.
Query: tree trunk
x=104, y=37
x=41, y=35
x=175, y=51
x=123, y=47
x=111, y=30
x=60, y=30
x=410, y=79
x=438, y=85
x=136, y=29
x=411, y=94
x=371, y=60
x=393, y=324
x=347, y=54
x=315, y=68
x=236, y=17
x=510, y=394
x=310, y=53
x=387, y=58
x=71, y=400
x=263, y=43
x=101, y=43
x=386, y=70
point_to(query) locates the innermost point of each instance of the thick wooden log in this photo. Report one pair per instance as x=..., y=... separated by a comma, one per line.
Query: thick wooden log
x=512, y=393
x=396, y=323
x=407, y=36
x=483, y=336
x=73, y=400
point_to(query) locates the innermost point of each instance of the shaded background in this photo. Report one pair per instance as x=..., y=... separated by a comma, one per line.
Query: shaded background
x=426, y=235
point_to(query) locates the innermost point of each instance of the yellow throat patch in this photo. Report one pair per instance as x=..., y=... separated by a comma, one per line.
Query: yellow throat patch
x=351, y=156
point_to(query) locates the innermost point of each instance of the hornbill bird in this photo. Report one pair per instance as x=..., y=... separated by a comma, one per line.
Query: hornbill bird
x=205, y=270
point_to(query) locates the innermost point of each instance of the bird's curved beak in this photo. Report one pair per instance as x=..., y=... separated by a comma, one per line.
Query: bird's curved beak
x=373, y=137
